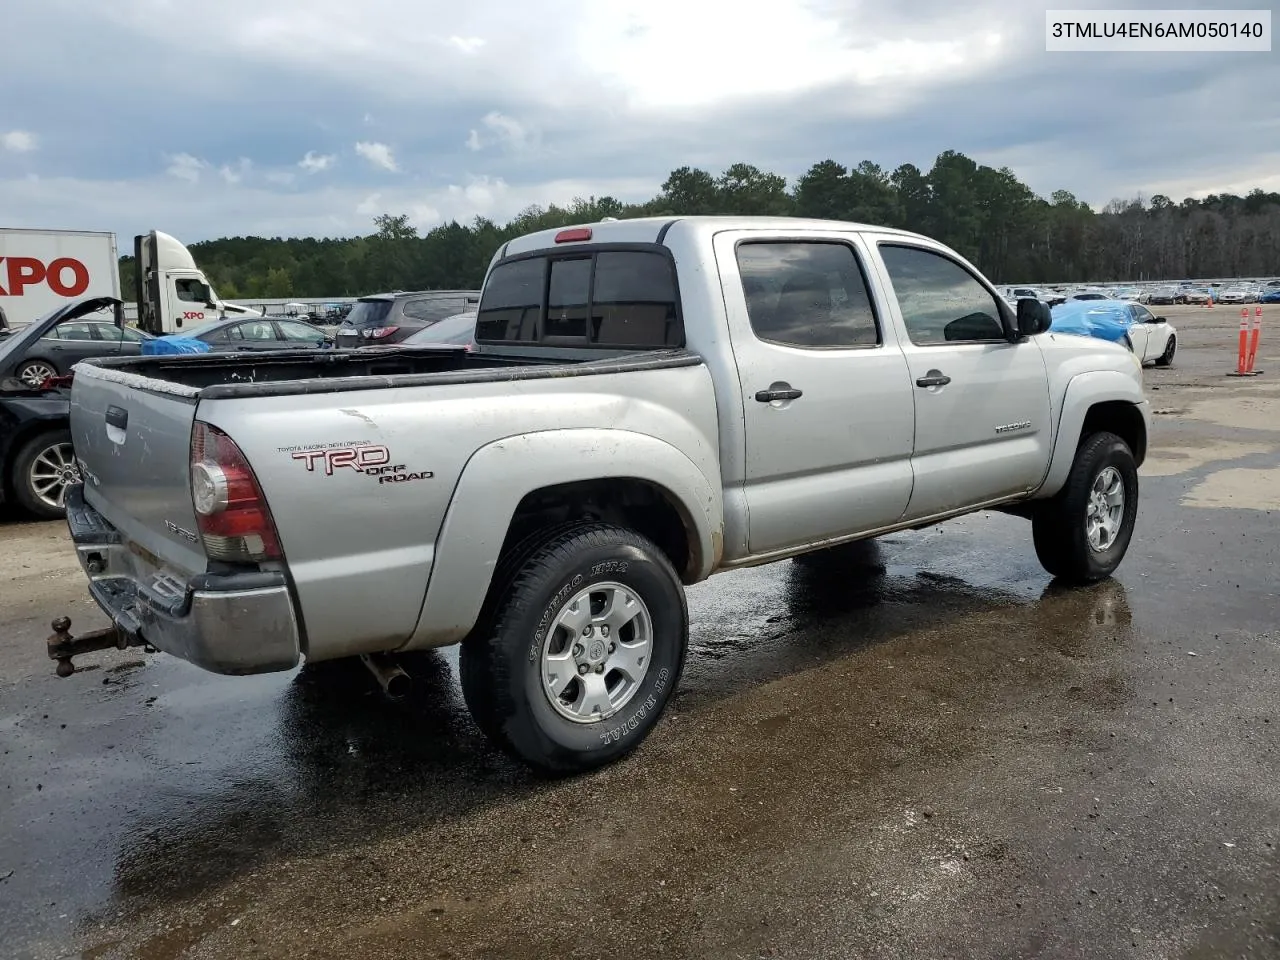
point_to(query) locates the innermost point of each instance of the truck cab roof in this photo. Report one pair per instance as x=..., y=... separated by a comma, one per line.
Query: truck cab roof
x=655, y=230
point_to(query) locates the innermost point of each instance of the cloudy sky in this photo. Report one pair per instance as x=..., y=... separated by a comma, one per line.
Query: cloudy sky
x=308, y=117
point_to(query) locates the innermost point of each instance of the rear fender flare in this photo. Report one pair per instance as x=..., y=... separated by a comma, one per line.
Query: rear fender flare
x=498, y=476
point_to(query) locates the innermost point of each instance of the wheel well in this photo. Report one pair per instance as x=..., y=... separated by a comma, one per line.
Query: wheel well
x=629, y=502
x=1121, y=418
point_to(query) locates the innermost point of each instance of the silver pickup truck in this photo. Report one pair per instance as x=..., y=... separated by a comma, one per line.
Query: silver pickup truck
x=650, y=402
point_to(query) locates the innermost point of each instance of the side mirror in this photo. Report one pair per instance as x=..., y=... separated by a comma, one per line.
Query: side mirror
x=1034, y=317
x=1159, y=320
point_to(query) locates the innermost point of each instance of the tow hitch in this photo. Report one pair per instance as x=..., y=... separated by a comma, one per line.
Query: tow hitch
x=63, y=646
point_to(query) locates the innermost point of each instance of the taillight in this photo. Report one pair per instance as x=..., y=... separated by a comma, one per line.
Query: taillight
x=377, y=333
x=231, y=511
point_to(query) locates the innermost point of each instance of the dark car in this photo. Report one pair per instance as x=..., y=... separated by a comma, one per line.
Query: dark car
x=258, y=333
x=393, y=317
x=68, y=342
x=457, y=331
x=36, y=459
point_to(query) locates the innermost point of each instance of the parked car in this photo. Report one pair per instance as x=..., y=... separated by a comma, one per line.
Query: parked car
x=1237, y=294
x=1270, y=295
x=1091, y=295
x=35, y=357
x=459, y=330
x=1151, y=338
x=1163, y=296
x=258, y=333
x=1036, y=293
x=393, y=317
x=1194, y=295
x=37, y=463
x=1132, y=294
x=655, y=400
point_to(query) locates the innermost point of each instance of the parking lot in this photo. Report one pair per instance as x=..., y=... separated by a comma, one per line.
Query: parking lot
x=930, y=752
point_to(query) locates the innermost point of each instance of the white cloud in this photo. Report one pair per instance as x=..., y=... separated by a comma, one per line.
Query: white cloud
x=378, y=154
x=283, y=178
x=235, y=174
x=505, y=128
x=500, y=129
x=314, y=162
x=184, y=166
x=468, y=45
x=129, y=206
x=18, y=141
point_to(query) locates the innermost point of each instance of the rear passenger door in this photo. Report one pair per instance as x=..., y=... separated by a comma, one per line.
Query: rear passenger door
x=982, y=423
x=827, y=402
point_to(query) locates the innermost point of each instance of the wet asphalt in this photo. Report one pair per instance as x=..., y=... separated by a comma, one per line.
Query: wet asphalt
x=923, y=748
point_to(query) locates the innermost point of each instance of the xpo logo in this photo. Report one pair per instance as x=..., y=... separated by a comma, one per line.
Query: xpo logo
x=66, y=276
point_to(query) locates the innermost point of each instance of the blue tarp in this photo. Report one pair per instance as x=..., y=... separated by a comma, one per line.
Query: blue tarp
x=170, y=345
x=1103, y=319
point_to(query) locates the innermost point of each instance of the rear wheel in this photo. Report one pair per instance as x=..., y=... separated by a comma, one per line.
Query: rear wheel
x=1082, y=534
x=1166, y=359
x=43, y=469
x=582, y=649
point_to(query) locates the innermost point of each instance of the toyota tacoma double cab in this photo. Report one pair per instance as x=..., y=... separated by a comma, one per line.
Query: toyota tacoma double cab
x=649, y=402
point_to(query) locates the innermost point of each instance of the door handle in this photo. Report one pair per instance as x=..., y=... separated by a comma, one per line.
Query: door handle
x=768, y=396
x=934, y=378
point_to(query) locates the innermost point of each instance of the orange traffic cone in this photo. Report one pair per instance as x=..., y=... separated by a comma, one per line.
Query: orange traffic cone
x=1257, y=335
x=1209, y=303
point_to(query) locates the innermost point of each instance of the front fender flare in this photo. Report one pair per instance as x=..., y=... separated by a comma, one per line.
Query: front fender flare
x=1083, y=392
x=498, y=476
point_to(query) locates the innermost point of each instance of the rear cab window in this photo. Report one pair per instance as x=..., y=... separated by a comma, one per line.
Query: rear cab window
x=608, y=297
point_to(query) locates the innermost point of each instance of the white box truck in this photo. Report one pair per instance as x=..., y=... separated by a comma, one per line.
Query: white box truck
x=41, y=270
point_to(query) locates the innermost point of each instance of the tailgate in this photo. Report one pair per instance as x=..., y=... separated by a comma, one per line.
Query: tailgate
x=132, y=436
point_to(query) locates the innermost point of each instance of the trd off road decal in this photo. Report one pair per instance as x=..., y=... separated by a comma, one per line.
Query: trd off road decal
x=370, y=459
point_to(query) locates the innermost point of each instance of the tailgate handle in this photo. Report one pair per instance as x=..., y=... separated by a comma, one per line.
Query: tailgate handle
x=117, y=417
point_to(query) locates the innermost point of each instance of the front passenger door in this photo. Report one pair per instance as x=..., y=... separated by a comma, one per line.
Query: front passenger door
x=982, y=420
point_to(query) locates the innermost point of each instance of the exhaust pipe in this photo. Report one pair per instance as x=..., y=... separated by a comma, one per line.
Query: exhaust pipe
x=391, y=677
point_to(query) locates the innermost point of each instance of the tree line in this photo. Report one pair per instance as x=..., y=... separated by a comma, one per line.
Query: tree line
x=987, y=214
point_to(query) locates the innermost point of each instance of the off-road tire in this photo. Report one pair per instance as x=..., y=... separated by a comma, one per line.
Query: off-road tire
x=501, y=661
x=1059, y=528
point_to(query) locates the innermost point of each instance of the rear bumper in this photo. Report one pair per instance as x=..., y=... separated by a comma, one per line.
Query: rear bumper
x=232, y=624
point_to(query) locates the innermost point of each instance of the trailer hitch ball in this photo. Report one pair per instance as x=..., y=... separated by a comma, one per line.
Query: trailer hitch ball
x=61, y=638
x=63, y=646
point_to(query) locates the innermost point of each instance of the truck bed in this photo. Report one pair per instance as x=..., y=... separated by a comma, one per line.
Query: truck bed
x=280, y=373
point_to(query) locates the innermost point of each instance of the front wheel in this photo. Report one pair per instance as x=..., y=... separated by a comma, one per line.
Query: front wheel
x=1082, y=534
x=1166, y=359
x=582, y=651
